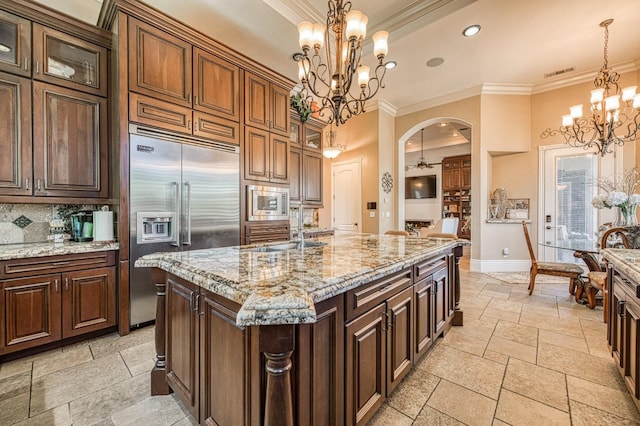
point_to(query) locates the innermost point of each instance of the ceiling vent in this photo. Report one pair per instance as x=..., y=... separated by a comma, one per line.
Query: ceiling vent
x=555, y=73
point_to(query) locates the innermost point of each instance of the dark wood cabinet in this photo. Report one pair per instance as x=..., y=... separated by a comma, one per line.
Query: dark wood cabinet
x=216, y=85
x=295, y=176
x=70, y=152
x=15, y=34
x=312, y=178
x=305, y=164
x=423, y=328
x=51, y=298
x=465, y=173
x=266, y=105
x=16, y=173
x=456, y=191
x=266, y=231
x=440, y=289
x=401, y=318
x=266, y=156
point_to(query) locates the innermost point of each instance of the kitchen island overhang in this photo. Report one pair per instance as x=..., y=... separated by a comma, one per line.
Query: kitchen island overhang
x=278, y=301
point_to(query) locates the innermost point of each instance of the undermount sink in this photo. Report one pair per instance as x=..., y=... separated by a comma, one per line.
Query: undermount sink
x=294, y=245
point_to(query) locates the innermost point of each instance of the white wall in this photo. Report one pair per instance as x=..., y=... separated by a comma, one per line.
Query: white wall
x=428, y=208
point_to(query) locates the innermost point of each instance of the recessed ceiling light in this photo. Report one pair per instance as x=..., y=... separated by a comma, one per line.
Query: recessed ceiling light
x=435, y=62
x=5, y=48
x=390, y=65
x=443, y=124
x=455, y=135
x=471, y=30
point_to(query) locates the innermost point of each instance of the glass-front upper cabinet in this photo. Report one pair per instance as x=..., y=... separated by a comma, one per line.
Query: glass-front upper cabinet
x=68, y=61
x=295, y=130
x=312, y=137
x=15, y=44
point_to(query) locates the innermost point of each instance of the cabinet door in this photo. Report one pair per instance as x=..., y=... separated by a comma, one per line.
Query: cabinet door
x=295, y=174
x=157, y=113
x=631, y=356
x=224, y=365
x=68, y=61
x=15, y=36
x=256, y=102
x=256, y=154
x=279, y=164
x=279, y=110
x=89, y=301
x=70, y=143
x=182, y=347
x=216, y=128
x=295, y=132
x=440, y=290
x=216, y=85
x=160, y=65
x=617, y=328
x=312, y=178
x=423, y=329
x=400, y=311
x=16, y=172
x=313, y=138
x=465, y=175
x=365, y=359
x=30, y=310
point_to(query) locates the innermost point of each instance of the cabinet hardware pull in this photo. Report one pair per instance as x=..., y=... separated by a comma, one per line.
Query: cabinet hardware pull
x=186, y=240
x=197, y=307
x=195, y=124
x=195, y=99
x=66, y=284
x=384, y=316
x=55, y=284
x=191, y=301
x=38, y=185
x=64, y=262
x=176, y=208
x=189, y=96
x=189, y=124
x=26, y=184
x=37, y=70
x=26, y=64
x=621, y=308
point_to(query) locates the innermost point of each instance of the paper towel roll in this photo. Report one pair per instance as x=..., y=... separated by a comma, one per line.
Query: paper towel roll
x=103, y=226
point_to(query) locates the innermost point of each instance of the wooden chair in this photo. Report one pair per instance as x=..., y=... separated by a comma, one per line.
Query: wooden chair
x=559, y=269
x=393, y=232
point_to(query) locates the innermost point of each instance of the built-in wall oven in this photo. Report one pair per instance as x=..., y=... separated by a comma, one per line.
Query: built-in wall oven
x=267, y=203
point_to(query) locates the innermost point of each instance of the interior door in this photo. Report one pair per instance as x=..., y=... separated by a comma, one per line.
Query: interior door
x=568, y=175
x=346, y=193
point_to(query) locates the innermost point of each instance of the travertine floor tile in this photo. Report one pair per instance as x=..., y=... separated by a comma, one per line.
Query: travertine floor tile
x=613, y=401
x=506, y=305
x=14, y=409
x=59, y=416
x=465, y=343
x=568, y=326
x=533, y=301
x=570, y=342
x=16, y=367
x=431, y=417
x=516, y=409
x=597, y=343
x=113, y=343
x=15, y=385
x=580, y=311
x=512, y=349
x=477, y=328
x=60, y=361
x=494, y=294
x=60, y=387
x=478, y=302
x=551, y=311
x=597, y=326
x=139, y=354
x=538, y=383
x=187, y=421
x=517, y=333
x=163, y=409
x=584, y=415
x=464, y=369
x=411, y=395
x=500, y=315
x=462, y=404
x=497, y=357
x=389, y=416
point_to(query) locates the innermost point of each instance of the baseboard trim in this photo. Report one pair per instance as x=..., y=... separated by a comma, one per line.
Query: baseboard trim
x=499, y=265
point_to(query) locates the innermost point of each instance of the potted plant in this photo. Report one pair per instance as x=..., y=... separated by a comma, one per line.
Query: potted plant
x=302, y=106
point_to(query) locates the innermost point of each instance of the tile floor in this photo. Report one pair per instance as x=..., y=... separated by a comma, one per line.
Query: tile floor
x=518, y=360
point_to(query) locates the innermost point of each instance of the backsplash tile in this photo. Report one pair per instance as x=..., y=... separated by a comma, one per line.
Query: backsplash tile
x=22, y=221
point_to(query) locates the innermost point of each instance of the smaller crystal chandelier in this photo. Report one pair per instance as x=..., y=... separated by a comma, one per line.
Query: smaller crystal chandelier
x=610, y=122
x=332, y=149
x=330, y=79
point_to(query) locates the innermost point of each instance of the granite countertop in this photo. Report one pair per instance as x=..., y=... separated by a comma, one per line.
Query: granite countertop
x=294, y=229
x=282, y=287
x=21, y=251
x=626, y=261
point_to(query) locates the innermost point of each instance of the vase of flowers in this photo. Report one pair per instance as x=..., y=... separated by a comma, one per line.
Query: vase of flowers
x=620, y=193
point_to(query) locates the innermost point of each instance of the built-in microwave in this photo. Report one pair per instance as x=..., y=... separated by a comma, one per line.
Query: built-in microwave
x=267, y=203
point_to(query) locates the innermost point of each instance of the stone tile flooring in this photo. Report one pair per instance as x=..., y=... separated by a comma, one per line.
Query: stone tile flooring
x=518, y=360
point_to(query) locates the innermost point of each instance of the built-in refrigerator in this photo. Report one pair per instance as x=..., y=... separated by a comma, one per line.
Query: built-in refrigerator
x=184, y=194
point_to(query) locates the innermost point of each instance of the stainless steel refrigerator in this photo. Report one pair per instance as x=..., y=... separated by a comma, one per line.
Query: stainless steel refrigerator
x=184, y=195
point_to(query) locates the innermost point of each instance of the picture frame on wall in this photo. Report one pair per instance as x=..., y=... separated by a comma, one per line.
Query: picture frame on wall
x=518, y=209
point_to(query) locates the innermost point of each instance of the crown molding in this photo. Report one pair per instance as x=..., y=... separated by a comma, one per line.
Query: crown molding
x=583, y=77
x=506, y=89
x=441, y=100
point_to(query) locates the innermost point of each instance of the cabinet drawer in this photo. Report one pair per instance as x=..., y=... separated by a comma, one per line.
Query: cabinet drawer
x=146, y=110
x=257, y=230
x=55, y=264
x=361, y=299
x=429, y=266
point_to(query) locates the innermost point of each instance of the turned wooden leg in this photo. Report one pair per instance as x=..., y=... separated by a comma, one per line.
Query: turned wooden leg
x=159, y=384
x=458, y=315
x=532, y=280
x=591, y=297
x=276, y=342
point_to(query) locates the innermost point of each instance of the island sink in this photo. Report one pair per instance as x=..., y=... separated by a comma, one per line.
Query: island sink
x=293, y=245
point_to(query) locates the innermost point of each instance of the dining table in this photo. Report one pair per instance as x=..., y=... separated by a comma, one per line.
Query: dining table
x=586, y=249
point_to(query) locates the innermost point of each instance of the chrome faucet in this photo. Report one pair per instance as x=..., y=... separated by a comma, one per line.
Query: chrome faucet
x=300, y=225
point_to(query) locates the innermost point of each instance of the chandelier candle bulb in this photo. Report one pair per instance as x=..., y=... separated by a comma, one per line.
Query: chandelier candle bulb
x=354, y=26
x=305, y=31
x=628, y=93
x=318, y=35
x=597, y=95
x=636, y=101
x=576, y=111
x=363, y=76
x=567, y=120
x=380, y=44
x=612, y=103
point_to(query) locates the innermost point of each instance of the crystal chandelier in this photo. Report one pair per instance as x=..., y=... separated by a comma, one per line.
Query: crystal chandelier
x=611, y=122
x=332, y=82
x=332, y=149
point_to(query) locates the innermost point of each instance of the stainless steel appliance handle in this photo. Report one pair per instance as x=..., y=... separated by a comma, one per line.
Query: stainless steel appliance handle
x=176, y=208
x=187, y=235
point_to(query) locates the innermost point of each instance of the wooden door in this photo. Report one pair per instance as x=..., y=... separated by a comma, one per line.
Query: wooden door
x=279, y=154
x=440, y=290
x=256, y=154
x=70, y=152
x=30, y=309
x=423, y=328
x=257, y=102
x=400, y=311
x=182, y=342
x=88, y=301
x=68, y=61
x=312, y=178
x=16, y=173
x=631, y=356
x=160, y=65
x=295, y=176
x=279, y=110
x=15, y=34
x=216, y=85
x=365, y=365
x=224, y=364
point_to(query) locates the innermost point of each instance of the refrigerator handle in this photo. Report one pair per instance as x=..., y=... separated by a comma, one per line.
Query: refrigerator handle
x=176, y=208
x=186, y=240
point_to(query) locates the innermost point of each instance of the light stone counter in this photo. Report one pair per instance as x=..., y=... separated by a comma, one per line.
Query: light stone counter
x=626, y=261
x=22, y=251
x=282, y=287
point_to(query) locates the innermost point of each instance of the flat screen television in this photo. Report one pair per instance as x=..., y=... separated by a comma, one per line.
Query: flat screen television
x=418, y=187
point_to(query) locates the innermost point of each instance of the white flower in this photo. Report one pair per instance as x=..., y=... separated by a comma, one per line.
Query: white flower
x=634, y=200
x=617, y=198
x=600, y=202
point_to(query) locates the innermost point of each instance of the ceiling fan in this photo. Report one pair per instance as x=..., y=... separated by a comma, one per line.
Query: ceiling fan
x=421, y=164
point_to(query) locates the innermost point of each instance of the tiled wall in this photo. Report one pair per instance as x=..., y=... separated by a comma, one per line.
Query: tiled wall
x=310, y=217
x=29, y=223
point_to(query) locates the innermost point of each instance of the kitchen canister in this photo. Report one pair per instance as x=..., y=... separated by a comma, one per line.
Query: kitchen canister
x=103, y=225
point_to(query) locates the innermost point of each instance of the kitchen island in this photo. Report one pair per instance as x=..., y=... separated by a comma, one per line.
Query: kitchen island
x=283, y=334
